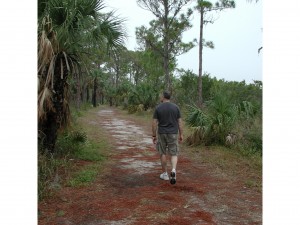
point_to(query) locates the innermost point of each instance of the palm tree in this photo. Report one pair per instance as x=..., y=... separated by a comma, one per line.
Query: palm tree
x=67, y=29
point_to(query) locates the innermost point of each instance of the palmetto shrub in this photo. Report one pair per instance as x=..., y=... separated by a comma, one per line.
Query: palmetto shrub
x=131, y=109
x=78, y=136
x=135, y=108
x=200, y=123
x=220, y=122
x=143, y=94
x=223, y=116
x=70, y=142
x=212, y=124
x=246, y=110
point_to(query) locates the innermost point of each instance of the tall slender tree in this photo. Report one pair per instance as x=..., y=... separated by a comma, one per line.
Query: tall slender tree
x=203, y=8
x=165, y=34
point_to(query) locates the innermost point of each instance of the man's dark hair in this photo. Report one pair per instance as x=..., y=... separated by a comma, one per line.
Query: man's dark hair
x=166, y=95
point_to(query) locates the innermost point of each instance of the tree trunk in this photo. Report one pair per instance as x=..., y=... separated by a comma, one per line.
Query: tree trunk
x=87, y=94
x=57, y=117
x=110, y=101
x=166, y=48
x=167, y=74
x=200, y=97
x=78, y=91
x=83, y=93
x=101, y=98
x=49, y=130
x=94, y=98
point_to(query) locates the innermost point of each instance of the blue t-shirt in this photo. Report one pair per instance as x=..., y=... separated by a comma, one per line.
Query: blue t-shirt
x=167, y=114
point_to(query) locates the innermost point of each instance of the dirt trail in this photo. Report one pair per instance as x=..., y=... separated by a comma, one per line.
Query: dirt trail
x=130, y=191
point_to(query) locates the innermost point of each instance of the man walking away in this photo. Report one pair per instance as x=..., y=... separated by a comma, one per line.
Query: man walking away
x=167, y=118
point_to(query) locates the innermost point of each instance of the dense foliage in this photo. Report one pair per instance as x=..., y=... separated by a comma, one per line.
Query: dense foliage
x=231, y=116
x=68, y=32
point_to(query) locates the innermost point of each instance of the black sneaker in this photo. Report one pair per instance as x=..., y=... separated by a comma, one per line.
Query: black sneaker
x=173, y=177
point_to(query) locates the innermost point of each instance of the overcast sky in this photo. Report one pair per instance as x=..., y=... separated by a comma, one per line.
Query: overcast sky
x=237, y=36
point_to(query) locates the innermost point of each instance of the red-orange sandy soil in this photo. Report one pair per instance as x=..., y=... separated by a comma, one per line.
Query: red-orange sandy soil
x=128, y=189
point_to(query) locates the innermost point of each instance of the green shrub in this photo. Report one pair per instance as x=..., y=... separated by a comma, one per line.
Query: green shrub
x=70, y=142
x=132, y=109
x=200, y=124
x=136, y=108
x=78, y=137
x=213, y=124
x=236, y=126
x=252, y=136
x=143, y=94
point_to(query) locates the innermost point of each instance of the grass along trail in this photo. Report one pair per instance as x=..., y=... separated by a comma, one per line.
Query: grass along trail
x=128, y=189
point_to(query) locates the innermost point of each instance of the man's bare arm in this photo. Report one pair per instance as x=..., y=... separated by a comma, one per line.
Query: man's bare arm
x=154, y=129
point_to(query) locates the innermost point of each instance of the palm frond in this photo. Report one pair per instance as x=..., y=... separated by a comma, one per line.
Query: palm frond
x=196, y=117
x=45, y=44
x=78, y=136
x=50, y=74
x=111, y=28
x=246, y=108
x=90, y=7
x=66, y=60
x=200, y=124
x=44, y=102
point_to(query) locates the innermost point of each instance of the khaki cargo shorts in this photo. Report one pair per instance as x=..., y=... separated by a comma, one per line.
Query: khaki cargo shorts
x=167, y=143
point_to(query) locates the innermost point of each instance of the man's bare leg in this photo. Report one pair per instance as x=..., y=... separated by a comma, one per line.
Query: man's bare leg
x=174, y=160
x=163, y=160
